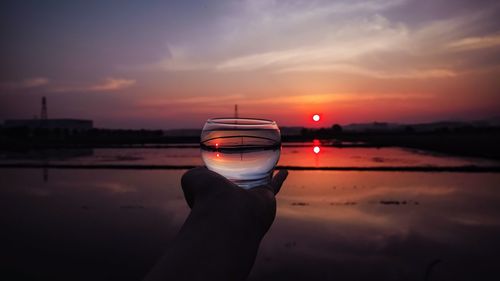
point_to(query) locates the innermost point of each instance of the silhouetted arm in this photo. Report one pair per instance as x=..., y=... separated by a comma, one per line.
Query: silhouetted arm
x=220, y=238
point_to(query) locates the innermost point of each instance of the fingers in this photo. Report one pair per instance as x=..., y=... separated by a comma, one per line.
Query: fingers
x=199, y=182
x=277, y=180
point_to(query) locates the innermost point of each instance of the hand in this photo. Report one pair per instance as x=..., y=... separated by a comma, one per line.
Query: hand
x=208, y=191
x=220, y=238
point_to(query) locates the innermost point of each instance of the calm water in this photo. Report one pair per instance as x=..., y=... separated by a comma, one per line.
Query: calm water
x=303, y=156
x=114, y=224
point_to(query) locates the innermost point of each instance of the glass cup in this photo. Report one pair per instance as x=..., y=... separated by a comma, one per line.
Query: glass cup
x=244, y=150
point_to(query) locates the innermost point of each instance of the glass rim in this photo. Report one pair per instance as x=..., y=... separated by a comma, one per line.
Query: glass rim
x=232, y=121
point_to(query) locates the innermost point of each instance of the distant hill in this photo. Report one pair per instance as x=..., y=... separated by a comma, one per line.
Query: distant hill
x=367, y=127
x=182, y=133
x=420, y=127
x=291, y=131
x=375, y=126
x=493, y=121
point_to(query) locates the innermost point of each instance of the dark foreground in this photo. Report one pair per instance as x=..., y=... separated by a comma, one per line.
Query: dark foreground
x=331, y=225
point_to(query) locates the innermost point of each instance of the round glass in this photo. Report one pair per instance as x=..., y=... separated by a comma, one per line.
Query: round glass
x=244, y=150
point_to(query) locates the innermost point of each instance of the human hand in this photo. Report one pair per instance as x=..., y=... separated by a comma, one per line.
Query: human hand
x=209, y=192
x=220, y=238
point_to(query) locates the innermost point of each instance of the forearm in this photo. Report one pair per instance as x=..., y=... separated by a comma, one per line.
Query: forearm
x=214, y=244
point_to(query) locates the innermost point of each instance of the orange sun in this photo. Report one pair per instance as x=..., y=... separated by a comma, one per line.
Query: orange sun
x=316, y=117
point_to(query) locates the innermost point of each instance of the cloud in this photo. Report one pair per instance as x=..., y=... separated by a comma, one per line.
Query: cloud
x=474, y=43
x=367, y=47
x=176, y=60
x=34, y=82
x=26, y=83
x=262, y=33
x=380, y=74
x=112, y=84
x=352, y=37
x=108, y=85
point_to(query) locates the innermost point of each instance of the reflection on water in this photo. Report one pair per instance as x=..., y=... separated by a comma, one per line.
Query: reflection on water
x=311, y=155
x=46, y=156
x=110, y=225
x=60, y=154
x=316, y=149
x=327, y=156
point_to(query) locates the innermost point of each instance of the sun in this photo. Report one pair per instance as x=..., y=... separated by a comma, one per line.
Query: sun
x=316, y=149
x=316, y=117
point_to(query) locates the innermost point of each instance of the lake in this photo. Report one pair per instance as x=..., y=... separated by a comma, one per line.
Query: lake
x=82, y=224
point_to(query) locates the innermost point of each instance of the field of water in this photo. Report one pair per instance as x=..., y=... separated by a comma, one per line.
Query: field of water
x=112, y=224
x=291, y=155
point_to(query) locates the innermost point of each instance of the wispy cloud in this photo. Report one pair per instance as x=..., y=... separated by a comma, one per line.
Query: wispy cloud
x=474, y=43
x=346, y=48
x=339, y=37
x=112, y=84
x=380, y=74
x=107, y=85
x=25, y=84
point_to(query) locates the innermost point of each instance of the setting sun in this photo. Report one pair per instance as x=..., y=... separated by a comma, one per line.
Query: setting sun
x=316, y=117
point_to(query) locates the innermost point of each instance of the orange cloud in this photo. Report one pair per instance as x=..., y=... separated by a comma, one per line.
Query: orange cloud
x=112, y=84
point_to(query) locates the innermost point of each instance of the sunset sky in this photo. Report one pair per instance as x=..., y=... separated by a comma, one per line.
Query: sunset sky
x=173, y=64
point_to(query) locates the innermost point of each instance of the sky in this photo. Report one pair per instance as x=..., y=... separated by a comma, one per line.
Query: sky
x=174, y=64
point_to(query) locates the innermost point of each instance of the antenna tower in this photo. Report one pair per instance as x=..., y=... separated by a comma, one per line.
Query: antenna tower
x=44, y=109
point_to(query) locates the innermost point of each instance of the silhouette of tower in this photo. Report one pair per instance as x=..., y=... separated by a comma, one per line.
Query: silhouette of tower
x=235, y=111
x=44, y=109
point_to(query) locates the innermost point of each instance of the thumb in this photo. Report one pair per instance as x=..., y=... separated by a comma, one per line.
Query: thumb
x=277, y=180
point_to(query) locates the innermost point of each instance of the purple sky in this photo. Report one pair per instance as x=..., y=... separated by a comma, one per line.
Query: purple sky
x=164, y=65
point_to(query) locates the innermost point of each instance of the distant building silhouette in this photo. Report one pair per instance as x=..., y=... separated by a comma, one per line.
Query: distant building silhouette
x=45, y=123
x=72, y=124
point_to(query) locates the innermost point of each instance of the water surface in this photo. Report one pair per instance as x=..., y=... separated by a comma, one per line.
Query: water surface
x=114, y=224
x=300, y=156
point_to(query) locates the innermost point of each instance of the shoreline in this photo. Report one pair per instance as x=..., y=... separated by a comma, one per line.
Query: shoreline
x=449, y=169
